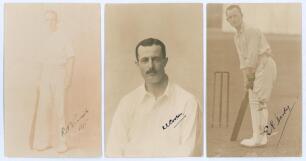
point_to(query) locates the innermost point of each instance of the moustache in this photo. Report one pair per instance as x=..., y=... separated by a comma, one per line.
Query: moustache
x=151, y=71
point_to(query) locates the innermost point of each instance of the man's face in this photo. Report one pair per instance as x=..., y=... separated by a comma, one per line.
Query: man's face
x=234, y=17
x=51, y=19
x=151, y=63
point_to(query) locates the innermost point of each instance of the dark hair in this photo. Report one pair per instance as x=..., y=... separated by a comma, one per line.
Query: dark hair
x=150, y=42
x=232, y=7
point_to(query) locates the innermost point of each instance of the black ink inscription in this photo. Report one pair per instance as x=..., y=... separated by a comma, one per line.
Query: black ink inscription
x=179, y=117
x=79, y=123
x=274, y=123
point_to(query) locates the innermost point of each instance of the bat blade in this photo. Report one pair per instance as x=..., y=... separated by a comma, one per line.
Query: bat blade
x=239, y=119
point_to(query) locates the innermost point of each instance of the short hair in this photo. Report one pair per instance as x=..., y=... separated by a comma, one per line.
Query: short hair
x=232, y=7
x=51, y=12
x=151, y=42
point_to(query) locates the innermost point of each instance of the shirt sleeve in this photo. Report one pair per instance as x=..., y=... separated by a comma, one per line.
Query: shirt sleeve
x=191, y=131
x=253, y=48
x=239, y=53
x=118, y=136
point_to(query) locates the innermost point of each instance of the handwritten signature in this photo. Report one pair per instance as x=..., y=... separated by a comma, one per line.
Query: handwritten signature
x=274, y=123
x=179, y=117
x=79, y=123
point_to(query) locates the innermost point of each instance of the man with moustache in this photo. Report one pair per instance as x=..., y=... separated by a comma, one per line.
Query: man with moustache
x=259, y=71
x=159, y=118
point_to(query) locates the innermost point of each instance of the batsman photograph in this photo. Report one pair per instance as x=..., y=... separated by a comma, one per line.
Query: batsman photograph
x=254, y=86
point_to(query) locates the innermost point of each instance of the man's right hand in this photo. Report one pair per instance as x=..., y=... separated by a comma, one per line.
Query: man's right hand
x=249, y=85
x=249, y=81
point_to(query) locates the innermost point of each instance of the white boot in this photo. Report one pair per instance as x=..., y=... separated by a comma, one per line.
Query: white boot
x=61, y=145
x=259, y=138
x=61, y=148
x=256, y=138
x=257, y=120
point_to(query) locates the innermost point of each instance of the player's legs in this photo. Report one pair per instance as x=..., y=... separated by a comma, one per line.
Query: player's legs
x=41, y=139
x=263, y=88
x=258, y=98
x=256, y=116
x=59, y=115
x=264, y=79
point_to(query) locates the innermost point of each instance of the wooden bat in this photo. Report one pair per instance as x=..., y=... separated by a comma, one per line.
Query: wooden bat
x=239, y=119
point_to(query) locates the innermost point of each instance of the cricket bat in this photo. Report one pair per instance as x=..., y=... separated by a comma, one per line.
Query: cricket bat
x=241, y=113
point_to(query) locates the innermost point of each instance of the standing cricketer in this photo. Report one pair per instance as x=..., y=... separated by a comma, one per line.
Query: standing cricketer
x=259, y=71
x=57, y=61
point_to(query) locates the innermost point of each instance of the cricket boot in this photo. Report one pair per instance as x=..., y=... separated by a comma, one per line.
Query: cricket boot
x=256, y=116
x=61, y=146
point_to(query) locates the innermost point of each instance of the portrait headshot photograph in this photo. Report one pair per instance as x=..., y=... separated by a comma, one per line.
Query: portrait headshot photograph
x=254, y=80
x=52, y=80
x=153, y=66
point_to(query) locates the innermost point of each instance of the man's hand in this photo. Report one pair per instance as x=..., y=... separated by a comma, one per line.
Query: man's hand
x=249, y=77
x=249, y=84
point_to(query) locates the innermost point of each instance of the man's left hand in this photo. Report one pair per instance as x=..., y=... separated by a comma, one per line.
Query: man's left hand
x=251, y=76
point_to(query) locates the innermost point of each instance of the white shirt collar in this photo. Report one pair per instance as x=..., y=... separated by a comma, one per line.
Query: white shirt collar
x=167, y=92
x=242, y=29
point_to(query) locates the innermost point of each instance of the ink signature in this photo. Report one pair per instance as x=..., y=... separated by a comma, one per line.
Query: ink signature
x=274, y=123
x=79, y=124
x=179, y=117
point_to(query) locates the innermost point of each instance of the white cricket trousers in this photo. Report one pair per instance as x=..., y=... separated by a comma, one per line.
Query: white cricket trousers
x=265, y=76
x=50, y=117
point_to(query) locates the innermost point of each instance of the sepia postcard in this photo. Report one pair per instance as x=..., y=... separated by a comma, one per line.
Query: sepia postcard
x=254, y=80
x=52, y=80
x=153, y=80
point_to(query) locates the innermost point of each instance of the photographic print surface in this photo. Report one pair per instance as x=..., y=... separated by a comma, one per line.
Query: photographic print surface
x=153, y=80
x=254, y=80
x=52, y=80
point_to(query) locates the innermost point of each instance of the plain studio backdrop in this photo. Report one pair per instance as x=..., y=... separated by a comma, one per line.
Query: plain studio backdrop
x=179, y=26
x=24, y=33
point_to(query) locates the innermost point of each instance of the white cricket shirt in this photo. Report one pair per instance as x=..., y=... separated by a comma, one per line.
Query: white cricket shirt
x=144, y=126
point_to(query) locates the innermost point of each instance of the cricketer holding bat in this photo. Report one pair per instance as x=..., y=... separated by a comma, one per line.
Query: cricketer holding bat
x=157, y=119
x=259, y=71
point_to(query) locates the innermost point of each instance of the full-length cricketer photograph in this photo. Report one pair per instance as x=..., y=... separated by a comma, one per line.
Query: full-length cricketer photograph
x=254, y=80
x=52, y=80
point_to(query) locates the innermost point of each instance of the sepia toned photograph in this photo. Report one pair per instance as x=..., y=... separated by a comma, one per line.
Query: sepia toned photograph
x=153, y=80
x=254, y=80
x=52, y=80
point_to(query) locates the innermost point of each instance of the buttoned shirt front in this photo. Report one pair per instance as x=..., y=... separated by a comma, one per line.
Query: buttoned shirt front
x=250, y=44
x=146, y=126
